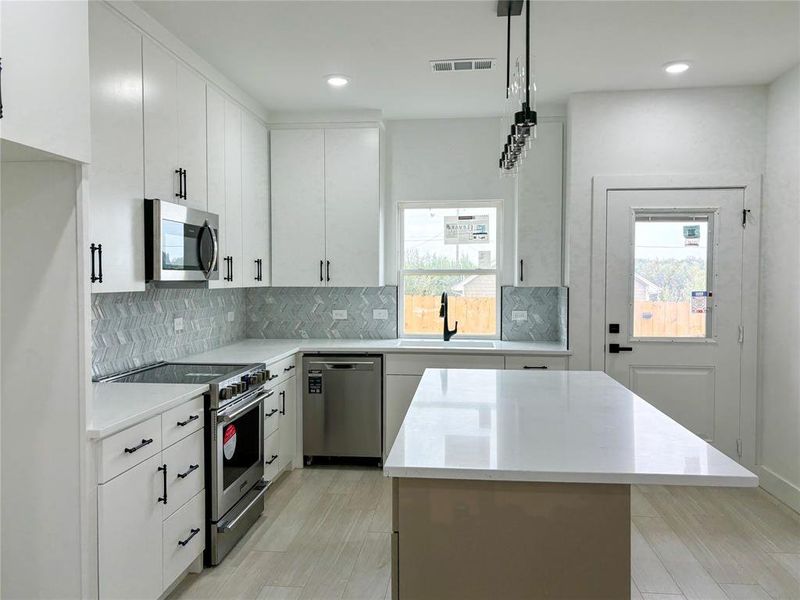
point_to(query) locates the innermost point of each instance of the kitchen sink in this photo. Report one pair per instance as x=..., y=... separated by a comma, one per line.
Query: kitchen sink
x=442, y=344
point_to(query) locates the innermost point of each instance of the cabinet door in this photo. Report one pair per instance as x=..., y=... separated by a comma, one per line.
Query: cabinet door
x=297, y=170
x=352, y=207
x=539, y=209
x=129, y=519
x=160, y=123
x=233, y=192
x=191, y=101
x=215, y=165
x=400, y=390
x=287, y=427
x=116, y=174
x=255, y=204
x=44, y=46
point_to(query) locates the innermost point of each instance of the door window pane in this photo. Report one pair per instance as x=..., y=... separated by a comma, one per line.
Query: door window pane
x=671, y=296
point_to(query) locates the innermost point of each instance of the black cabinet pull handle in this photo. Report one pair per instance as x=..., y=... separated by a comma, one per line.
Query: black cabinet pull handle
x=231, y=268
x=192, y=533
x=287, y=369
x=179, y=173
x=185, y=187
x=529, y=367
x=163, y=469
x=521, y=270
x=100, y=263
x=92, y=249
x=187, y=421
x=271, y=377
x=271, y=460
x=1, y=88
x=139, y=447
x=328, y=269
x=320, y=271
x=616, y=349
x=270, y=413
x=188, y=471
x=258, y=270
x=283, y=402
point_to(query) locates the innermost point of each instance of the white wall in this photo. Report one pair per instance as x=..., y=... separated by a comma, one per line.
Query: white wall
x=446, y=159
x=43, y=427
x=779, y=319
x=707, y=130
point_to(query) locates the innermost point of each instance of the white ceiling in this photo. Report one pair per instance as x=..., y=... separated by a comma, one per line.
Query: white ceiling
x=280, y=51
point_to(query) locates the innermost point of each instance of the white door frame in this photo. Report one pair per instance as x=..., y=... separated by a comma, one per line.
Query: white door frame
x=751, y=187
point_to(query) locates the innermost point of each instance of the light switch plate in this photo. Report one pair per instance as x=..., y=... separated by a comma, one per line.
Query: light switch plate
x=178, y=324
x=380, y=314
x=231, y=316
x=519, y=315
x=339, y=314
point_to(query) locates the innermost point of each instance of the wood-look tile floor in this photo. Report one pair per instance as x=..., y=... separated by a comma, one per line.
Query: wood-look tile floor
x=325, y=534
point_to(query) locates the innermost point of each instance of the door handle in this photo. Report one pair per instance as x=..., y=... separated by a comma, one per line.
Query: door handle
x=521, y=270
x=188, y=472
x=328, y=267
x=320, y=271
x=179, y=173
x=163, y=469
x=192, y=533
x=530, y=367
x=283, y=402
x=187, y=421
x=616, y=349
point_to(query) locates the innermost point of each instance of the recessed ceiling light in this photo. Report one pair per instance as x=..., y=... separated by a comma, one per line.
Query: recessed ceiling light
x=674, y=68
x=337, y=80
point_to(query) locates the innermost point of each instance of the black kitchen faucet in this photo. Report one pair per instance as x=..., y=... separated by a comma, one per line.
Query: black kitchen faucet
x=443, y=313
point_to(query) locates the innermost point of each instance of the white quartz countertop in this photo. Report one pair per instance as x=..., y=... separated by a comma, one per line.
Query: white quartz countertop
x=556, y=426
x=117, y=406
x=260, y=350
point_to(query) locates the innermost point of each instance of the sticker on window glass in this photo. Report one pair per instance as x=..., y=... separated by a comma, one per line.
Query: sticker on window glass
x=229, y=441
x=691, y=235
x=700, y=301
x=467, y=229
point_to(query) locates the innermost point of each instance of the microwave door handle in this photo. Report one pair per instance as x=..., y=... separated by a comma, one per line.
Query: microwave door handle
x=212, y=265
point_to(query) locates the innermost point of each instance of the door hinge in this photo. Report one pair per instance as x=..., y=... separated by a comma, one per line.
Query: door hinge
x=741, y=334
x=745, y=212
x=739, y=448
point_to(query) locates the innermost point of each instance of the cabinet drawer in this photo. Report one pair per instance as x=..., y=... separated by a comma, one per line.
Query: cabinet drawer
x=182, y=421
x=128, y=448
x=272, y=461
x=555, y=363
x=415, y=364
x=183, y=538
x=185, y=471
x=281, y=370
x=272, y=412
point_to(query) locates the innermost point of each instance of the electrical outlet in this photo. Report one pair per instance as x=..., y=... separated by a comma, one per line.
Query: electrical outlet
x=380, y=314
x=231, y=316
x=178, y=322
x=519, y=315
x=339, y=314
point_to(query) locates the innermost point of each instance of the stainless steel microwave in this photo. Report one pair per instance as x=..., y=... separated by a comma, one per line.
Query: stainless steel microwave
x=181, y=243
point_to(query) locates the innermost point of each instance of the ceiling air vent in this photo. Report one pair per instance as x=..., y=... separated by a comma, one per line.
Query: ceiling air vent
x=463, y=64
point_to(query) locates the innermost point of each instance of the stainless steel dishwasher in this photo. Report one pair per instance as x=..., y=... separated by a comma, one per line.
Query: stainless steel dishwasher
x=342, y=406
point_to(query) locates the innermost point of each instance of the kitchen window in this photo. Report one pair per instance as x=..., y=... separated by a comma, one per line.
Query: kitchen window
x=453, y=248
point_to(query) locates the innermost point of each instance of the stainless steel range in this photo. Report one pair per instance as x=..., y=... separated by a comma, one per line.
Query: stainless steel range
x=234, y=447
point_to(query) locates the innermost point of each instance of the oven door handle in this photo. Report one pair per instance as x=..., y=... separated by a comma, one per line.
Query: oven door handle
x=228, y=417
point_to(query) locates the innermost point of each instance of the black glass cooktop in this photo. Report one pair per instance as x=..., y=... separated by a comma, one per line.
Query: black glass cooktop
x=179, y=373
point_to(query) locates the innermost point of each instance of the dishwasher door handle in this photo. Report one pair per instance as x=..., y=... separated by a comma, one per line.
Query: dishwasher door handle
x=344, y=365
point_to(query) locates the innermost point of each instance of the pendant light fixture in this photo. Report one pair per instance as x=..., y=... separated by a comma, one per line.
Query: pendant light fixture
x=523, y=123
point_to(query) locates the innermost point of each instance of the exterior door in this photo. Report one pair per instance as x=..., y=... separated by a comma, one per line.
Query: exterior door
x=674, y=304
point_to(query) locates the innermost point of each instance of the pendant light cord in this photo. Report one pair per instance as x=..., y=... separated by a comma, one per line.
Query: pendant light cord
x=508, y=52
x=528, y=53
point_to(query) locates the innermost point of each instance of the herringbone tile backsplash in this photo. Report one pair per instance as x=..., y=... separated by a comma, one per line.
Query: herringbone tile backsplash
x=547, y=313
x=138, y=328
x=308, y=313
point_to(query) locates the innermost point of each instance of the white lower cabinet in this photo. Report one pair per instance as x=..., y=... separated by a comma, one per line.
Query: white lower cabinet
x=288, y=424
x=399, y=392
x=272, y=451
x=280, y=418
x=151, y=509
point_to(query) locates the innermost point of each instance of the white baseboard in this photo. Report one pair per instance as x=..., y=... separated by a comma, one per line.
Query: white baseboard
x=783, y=490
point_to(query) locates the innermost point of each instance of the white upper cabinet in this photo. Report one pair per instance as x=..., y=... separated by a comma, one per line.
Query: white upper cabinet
x=174, y=130
x=191, y=98
x=297, y=177
x=116, y=219
x=45, y=60
x=233, y=197
x=352, y=207
x=160, y=123
x=540, y=209
x=255, y=203
x=325, y=207
x=215, y=130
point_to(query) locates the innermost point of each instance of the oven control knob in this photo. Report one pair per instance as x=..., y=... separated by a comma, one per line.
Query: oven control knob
x=225, y=393
x=241, y=387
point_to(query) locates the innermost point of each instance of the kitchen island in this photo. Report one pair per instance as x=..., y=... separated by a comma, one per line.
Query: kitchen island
x=514, y=484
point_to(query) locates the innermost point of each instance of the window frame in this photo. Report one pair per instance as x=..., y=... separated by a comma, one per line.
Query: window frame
x=497, y=204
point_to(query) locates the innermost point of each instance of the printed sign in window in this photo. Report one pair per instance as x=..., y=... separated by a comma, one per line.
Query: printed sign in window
x=466, y=229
